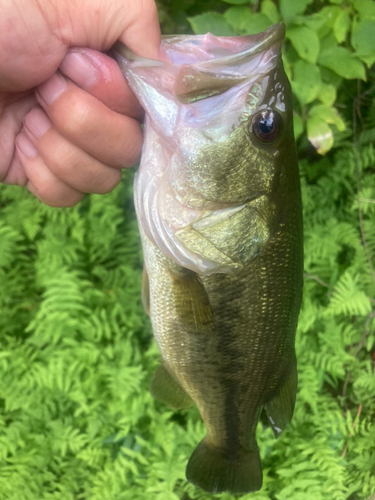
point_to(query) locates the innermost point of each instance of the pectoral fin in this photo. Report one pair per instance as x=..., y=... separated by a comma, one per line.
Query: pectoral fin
x=191, y=302
x=280, y=409
x=166, y=389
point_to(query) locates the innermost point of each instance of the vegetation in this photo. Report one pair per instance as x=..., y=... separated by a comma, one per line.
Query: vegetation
x=76, y=419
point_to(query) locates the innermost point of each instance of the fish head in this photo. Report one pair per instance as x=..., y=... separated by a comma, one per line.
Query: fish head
x=218, y=118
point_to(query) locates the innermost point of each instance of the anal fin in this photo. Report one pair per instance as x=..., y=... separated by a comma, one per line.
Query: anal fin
x=280, y=409
x=166, y=389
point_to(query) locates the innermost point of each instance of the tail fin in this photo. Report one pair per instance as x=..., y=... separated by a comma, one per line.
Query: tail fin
x=215, y=470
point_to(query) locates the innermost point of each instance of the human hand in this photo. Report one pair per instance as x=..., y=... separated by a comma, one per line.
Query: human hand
x=68, y=120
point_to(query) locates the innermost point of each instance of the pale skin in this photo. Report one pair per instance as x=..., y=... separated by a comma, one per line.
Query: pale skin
x=68, y=120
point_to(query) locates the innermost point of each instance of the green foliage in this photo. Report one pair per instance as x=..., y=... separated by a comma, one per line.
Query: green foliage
x=76, y=419
x=326, y=42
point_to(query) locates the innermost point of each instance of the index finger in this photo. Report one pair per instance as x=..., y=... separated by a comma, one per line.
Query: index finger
x=100, y=75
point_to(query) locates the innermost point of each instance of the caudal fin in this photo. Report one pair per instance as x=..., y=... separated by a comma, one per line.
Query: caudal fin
x=215, y=470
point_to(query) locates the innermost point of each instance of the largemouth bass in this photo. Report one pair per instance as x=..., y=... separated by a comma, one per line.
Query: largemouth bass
x=218, y=203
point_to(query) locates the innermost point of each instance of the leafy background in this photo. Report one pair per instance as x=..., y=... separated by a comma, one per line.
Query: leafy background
x=76, y=419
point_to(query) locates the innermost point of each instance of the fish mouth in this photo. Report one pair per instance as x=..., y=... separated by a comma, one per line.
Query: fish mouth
x=203, y=66
x=249, y=46
x=239, y=48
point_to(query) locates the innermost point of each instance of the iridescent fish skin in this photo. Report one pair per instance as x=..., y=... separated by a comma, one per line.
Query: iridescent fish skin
x=218, y=202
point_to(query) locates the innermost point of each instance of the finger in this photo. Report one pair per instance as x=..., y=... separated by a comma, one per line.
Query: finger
x=101, y=76
x=41, y=181
x=112, y=138
x=142, y=31
x=29, y=50
x=68, y=162
x=38, y=34
x=99, y=24
x=10, y=125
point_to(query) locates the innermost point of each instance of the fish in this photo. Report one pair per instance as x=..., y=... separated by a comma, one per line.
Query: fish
x=218, y=202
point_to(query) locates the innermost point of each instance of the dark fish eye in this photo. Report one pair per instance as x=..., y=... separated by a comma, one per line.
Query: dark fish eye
x=266, y=125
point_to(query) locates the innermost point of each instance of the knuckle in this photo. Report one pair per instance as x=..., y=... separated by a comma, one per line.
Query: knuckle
x=43, y=186
x=77, y=169
x=75, y=116
x=58, y=196
x=146, y=8
x=132, y=149
x=61, y=158
x=109, y=183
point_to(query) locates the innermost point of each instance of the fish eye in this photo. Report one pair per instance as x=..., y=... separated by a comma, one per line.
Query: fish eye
x=266, y=125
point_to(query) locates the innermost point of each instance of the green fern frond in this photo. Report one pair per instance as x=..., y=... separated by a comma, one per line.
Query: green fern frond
x=348, y=298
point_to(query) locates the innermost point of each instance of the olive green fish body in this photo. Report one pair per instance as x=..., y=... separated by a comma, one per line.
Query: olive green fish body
x=219, y=208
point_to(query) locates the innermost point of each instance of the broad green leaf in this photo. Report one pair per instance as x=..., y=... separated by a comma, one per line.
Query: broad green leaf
x=306, y=81
x=257, y=24
x=236, y=2
x=288, y=65
x=297, y=125
x=290, y=8
x=269, y=9
x=369, y=60
x=211, y=22
x=329, y=15
x=363, y=38
x=330, y=77
x=305, y=41
x=320, y=135
x=365, y=8
x=342, y=62
x=315, y=21
x=321, y=22
x=327, y=94
x=328, y=114
x=341, y=25
x=328, y=42
x=245, y=22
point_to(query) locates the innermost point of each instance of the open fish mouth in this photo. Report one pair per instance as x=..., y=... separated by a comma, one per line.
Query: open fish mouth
x=208, y=64
x=195, y=102
x=219, y=50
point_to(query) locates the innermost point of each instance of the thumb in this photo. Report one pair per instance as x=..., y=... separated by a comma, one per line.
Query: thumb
x=98, y=24
x=36, y=35
x=142, y=34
